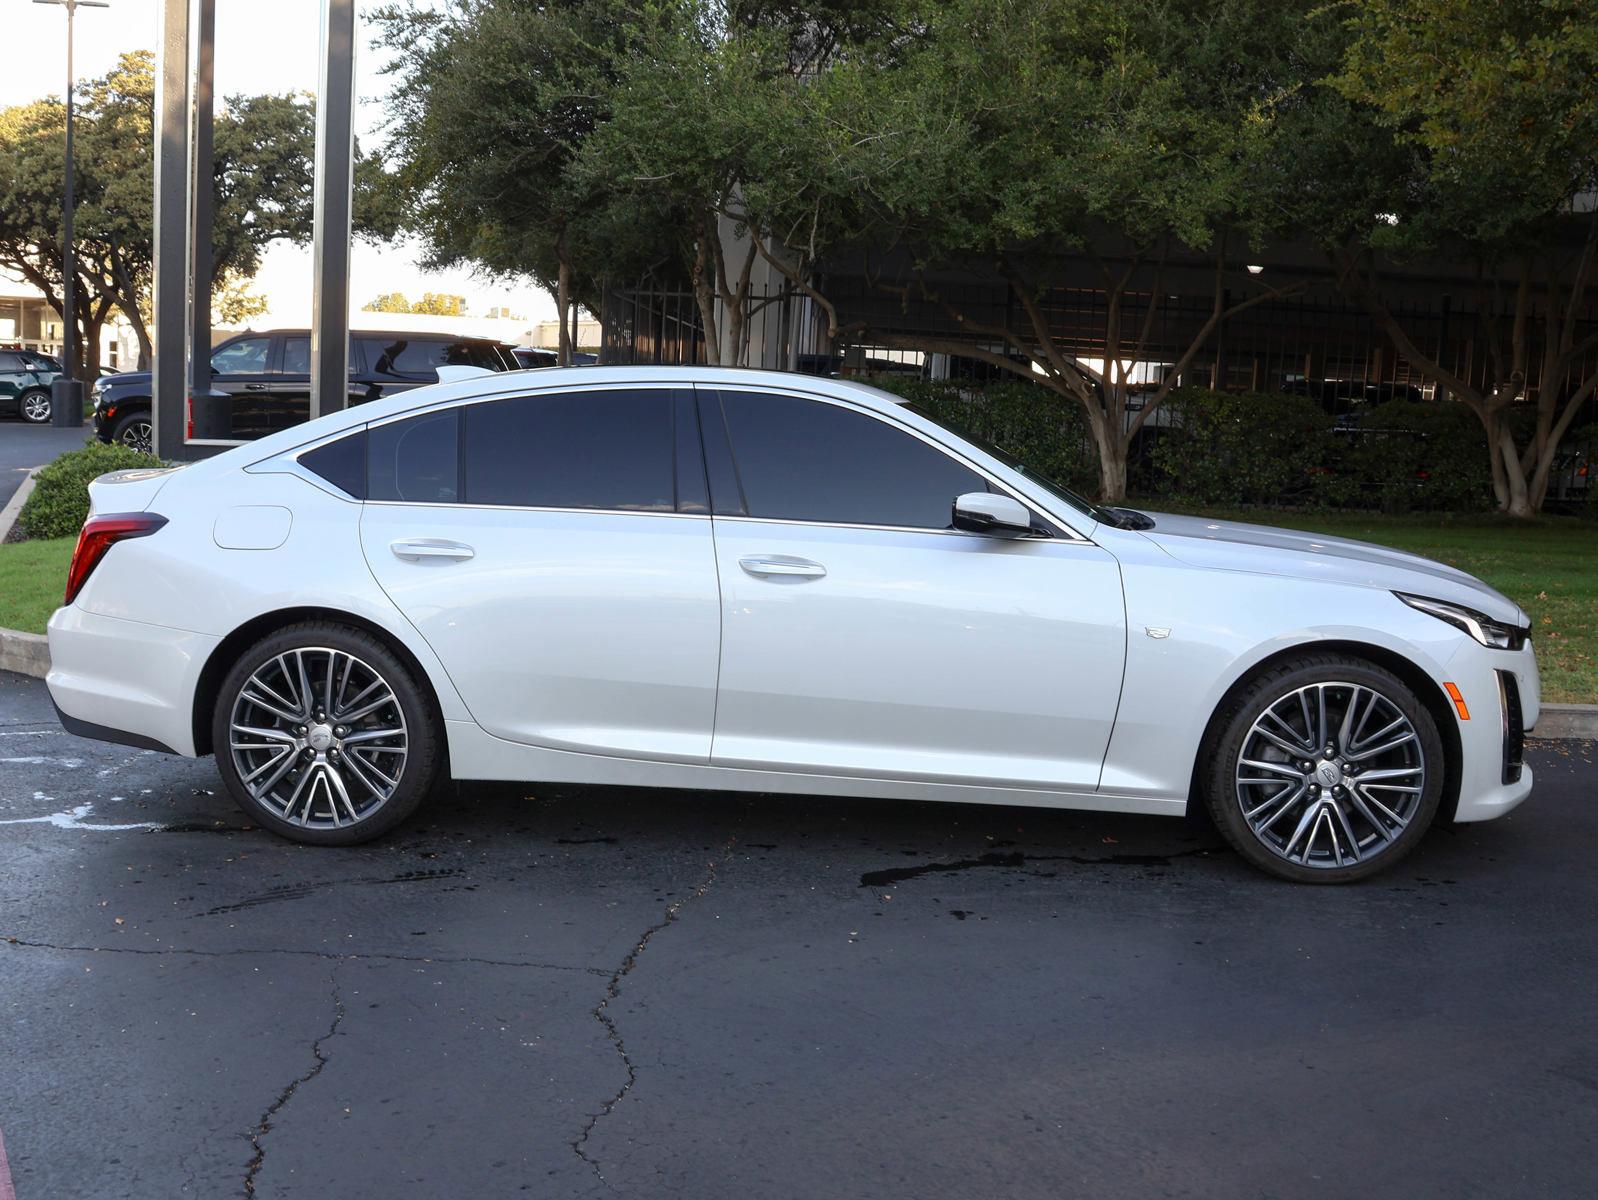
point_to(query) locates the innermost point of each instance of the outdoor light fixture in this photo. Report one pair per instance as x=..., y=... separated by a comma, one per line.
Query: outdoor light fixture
x=1254, y=270
x=66, y=393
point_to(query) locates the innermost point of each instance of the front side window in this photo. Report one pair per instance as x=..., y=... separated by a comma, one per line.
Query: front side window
x=602, y=449
x=805, y=460
x=415, y=460
x=247, y=356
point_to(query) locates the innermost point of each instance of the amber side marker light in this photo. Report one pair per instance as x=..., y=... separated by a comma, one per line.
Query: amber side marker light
x=1459, y=701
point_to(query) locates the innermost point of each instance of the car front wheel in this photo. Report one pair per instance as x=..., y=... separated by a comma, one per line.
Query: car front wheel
x=1327, y=770
x=322, y=735
x=35, y=406
x=136, y=432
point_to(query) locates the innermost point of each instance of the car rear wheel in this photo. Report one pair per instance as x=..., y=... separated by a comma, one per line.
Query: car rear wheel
x=136, y=432
x=34, y=405
x=322, y=735
x=1327, y=770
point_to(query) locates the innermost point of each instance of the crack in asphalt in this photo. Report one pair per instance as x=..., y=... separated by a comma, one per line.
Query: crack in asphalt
x=893, y=875
x=613, y=989
x=264, y=1125
x=323, y=954
x=297, y=891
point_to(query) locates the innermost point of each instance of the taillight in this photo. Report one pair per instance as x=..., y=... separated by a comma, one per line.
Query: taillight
x=188, y=421
x=98, y=536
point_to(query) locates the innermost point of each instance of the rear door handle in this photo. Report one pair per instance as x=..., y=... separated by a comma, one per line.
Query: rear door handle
x=782, y=564
x=416, y=549
x=256, y=387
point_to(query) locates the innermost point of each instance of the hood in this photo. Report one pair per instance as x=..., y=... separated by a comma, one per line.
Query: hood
x=142, y=378
x=1266, y=550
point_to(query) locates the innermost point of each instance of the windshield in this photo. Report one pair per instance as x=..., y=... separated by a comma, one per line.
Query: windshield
x=1086, y=507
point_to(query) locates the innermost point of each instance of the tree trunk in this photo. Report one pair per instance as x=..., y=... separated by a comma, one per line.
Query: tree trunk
x=1519, y=504
x=563, y=287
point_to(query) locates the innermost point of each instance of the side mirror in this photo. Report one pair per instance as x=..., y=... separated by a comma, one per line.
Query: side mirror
x=988, y=512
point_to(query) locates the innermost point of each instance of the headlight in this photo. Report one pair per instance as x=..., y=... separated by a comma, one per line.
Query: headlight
x=94, y=391
x=1479, y=625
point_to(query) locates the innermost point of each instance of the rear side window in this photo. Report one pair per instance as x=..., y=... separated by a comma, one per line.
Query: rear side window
x=418, y=358
x=803, y=460
x=415, y=460
x=10, y=362
x=603, y=449
x=341, y=463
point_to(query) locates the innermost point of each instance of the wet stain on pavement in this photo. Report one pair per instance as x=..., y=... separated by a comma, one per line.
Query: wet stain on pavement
x=1015, y=859
x=296, y=891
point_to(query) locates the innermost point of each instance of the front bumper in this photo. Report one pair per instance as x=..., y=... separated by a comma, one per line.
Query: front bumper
x=1486, y=788
x=126, y=681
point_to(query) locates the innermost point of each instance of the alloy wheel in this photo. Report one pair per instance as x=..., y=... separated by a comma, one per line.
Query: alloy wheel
x=318, y=737
x=36, y=407
x=138, y=435
x=1330, y=775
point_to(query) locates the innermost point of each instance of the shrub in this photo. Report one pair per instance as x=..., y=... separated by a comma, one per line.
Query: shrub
x=60, y=501
x=1411, y=455
x=1215, y=448
x=1045, y=430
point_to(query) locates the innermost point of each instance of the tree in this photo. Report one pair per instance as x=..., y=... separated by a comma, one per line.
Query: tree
x=440, y=304
x=1478, y=135
x=388, y=302
x=261, y=188
x=1118, y=132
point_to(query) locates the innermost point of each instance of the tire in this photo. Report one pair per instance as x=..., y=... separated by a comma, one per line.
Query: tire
x=34, y=406
x=1357, y=809
x=134, y=430
x=343, y=780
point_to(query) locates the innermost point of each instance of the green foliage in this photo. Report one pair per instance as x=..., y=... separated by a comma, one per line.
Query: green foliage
x=1217, y=448
x=388, y=302
x=60, y=501
x=1410, y=455
x=1034, y=424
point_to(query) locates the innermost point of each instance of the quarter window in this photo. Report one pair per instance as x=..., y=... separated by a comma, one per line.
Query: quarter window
x=572, y=450
x=800, y=459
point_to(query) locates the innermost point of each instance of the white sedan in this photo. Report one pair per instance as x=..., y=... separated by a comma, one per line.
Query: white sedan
x=708, y=578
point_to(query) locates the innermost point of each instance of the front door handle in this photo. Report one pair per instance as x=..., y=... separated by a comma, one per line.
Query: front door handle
x=417, y=549
x=256, y=387
x=782, y=564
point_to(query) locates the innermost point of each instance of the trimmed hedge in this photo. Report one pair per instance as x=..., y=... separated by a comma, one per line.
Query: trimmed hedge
x=1043, y=429
x=1218, y=448
x=60, y=501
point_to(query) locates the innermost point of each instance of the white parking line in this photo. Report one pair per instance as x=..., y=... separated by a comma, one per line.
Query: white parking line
x=73, y=818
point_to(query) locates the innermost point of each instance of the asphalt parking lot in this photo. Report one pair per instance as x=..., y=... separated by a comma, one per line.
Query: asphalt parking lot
x=585, y=992
x=23, y=447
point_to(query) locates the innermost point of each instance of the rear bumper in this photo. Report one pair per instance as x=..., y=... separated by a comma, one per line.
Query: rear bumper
x=125, y=681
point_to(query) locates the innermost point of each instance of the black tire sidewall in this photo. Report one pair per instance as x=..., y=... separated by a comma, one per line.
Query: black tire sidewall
x=1266, y=688
x=422, y=763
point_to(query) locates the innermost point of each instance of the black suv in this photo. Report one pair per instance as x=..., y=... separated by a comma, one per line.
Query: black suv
x=268, y=377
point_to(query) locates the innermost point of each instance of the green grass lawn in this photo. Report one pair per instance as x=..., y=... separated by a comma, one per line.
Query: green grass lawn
x=1548, y=566
x=33, y=576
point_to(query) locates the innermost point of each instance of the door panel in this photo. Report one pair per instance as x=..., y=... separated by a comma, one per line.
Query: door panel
x=589, y=631
x=572, y=602
x=917, y=655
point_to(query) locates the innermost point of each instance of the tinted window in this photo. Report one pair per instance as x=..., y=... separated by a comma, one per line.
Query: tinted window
x=341, y=463
x=10, y=362
x=296, y=356
x=247, y=356
x=574, y=450
x=804, y=460
x=415, y=459
x=419, y=358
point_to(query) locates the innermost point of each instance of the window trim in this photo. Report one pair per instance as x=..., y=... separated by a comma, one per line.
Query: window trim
x=1058, y=531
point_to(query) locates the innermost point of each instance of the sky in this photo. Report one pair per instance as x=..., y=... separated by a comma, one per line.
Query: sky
x=261, y=46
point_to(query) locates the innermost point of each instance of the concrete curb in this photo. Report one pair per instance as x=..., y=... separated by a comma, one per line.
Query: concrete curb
x=29, y=654
x=24, y=653
x=1567, y=721
x=8, y=514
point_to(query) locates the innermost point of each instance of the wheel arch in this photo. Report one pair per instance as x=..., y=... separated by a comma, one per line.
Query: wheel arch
x=229, y=649
x=1418, y=680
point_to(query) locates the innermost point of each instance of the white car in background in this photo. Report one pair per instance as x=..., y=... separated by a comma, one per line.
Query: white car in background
x=709, y=578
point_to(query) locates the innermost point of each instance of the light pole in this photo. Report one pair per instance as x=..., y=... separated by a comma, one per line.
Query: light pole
x=66, y=394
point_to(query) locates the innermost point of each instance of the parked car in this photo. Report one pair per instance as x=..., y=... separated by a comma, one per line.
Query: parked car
x=268, y=377
x=25, y=379
x=713, y=578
